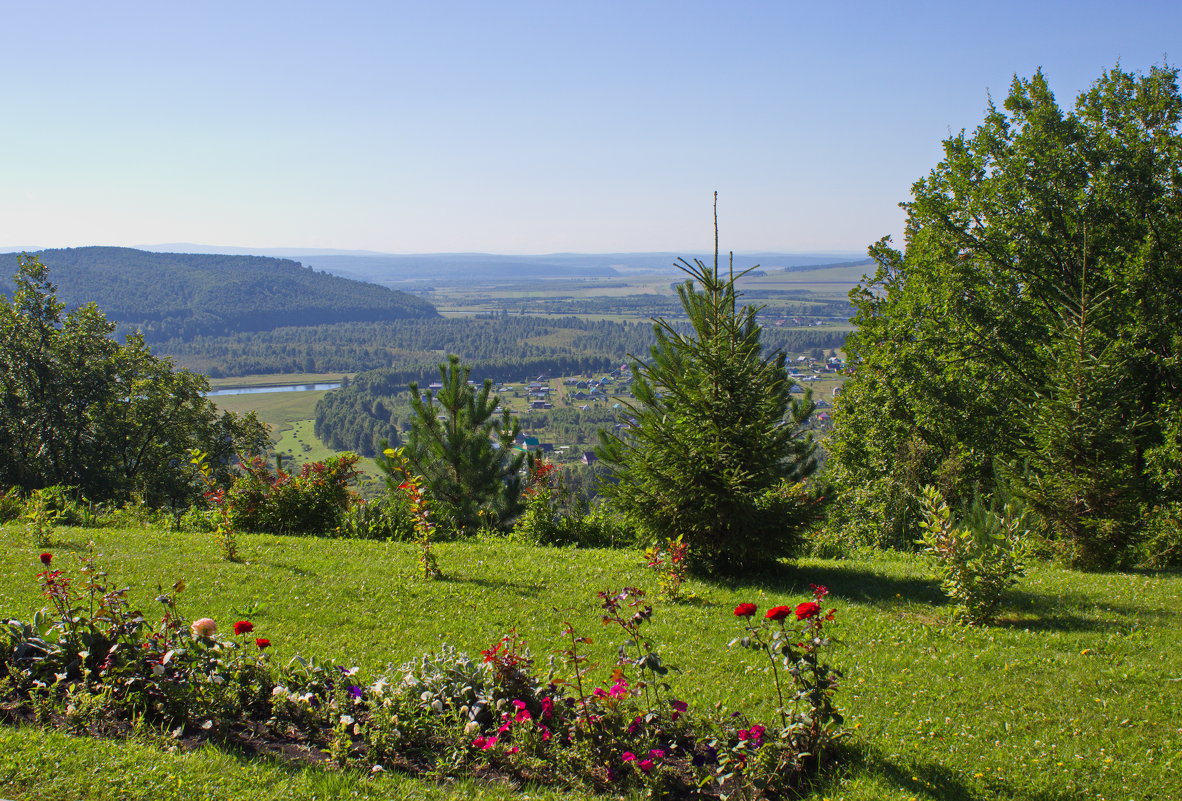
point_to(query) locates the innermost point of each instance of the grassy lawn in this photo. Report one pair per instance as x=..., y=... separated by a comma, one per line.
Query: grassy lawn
x=279, y=410
x=1075, y=694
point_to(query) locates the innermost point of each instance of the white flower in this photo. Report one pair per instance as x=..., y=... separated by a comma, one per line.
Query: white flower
x=346, y=719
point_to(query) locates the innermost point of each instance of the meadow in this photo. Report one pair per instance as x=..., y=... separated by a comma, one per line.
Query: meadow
x=1073, y=694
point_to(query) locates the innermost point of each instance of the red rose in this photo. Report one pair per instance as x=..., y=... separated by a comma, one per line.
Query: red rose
x=745, y=610
x=243, y=627
x=807, y=609
x=778, y=613
x=46, y=558
x=262, y=642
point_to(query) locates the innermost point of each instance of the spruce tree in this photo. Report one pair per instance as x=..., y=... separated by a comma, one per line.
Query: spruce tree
x=711, y=447
x=464, y=451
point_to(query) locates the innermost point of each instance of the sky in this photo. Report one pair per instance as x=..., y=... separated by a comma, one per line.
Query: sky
x=514, y=127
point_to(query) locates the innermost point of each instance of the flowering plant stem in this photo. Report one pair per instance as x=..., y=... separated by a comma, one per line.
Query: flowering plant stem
x=420, y=511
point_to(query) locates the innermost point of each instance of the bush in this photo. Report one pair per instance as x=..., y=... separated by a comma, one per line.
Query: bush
x=978, y=559
x=11, y=504
x=386, y=518
x=1161, y=545
x=312, y=501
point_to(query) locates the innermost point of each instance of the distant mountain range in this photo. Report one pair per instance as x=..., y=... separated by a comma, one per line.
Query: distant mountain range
x=184, y=295
x=390, y=268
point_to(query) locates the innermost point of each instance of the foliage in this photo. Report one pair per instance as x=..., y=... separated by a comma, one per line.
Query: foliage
x=420, y=509
x=104, y=662
x=713, y=430
x=223, y=525
x=109, y=419
x=977, y=559
x=810, y=723
x=1161, y=546
x=463, y=451
x=40, y=518
x=555, y=516
x=310, y=501
x=386, y=518
x=669, y=560
x=1031, y=328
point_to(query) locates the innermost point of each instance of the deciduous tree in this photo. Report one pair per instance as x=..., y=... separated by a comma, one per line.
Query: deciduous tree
x=1030, y=328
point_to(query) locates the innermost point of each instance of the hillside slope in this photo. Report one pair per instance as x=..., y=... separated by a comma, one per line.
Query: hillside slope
x=184, y=295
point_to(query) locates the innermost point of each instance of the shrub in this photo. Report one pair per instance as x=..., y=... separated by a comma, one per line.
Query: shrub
x=386, y=518
x=11, y=504
x=977, y=559
x=312, y=501
x=1161, y=545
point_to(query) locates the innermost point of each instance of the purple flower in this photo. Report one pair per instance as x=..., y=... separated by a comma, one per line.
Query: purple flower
x=355, y=691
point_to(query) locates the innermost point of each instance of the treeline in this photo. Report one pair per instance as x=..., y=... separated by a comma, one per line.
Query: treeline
x=180, y=296
x=374, y=406
x=354, y=347
x=668, y=305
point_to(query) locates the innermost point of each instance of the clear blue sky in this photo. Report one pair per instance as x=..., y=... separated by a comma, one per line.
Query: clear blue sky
x=514, y=127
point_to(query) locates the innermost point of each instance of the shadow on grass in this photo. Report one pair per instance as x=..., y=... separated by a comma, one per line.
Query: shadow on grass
x=926, y=780
x=295, y=571
x=861, y=584
x=851, y=583
x=526, y=589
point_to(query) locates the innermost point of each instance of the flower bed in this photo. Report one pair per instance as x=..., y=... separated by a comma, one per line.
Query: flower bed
x=93, y=664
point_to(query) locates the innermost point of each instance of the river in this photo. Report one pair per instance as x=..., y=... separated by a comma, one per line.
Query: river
x=217, y=393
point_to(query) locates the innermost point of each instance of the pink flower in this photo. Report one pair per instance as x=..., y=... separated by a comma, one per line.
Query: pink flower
x=645, y=765
x=485, y=743
x=657, y=753
x=547, y=708
x=618, y=689
x=205, y=627
x=628, y=756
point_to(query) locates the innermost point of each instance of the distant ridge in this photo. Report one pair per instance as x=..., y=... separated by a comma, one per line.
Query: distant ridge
x=181, y=296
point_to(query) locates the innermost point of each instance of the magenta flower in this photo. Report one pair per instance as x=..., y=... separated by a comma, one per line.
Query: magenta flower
x=628, y=756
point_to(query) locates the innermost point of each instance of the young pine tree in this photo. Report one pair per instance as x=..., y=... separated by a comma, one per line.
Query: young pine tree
x=714, y=442
x=471, y=480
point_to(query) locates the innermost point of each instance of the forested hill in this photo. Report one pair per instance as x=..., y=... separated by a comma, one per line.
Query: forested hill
x=183, y=295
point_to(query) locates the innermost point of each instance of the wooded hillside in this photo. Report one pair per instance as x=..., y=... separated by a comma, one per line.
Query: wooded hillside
x=182, y=295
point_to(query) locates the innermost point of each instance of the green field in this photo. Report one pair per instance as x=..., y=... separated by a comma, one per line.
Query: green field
x=1073, y=695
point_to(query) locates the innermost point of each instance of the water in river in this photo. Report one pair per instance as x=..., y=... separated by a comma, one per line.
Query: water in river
x=258, y=390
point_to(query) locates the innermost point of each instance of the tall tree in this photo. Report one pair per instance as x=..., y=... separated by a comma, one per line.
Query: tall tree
x=715, y=433
x=79, y=409
x=1041, y=280
x=464, y=450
